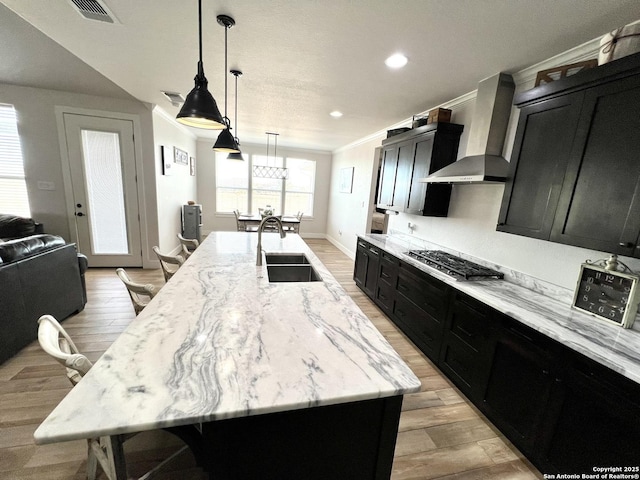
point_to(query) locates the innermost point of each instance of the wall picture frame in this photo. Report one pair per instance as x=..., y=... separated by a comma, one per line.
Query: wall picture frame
x=346, y=180
x=166, y=161
x=192, y=166
x=180, y=156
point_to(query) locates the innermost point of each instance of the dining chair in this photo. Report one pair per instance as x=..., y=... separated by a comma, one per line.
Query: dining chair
x=136, y=291
x=188, y=245
x=239, y=225
x=107, y=451
x=166, y=261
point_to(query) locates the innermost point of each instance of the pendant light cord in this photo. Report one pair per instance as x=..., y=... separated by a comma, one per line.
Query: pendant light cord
x=236, y=119
x=225, y=76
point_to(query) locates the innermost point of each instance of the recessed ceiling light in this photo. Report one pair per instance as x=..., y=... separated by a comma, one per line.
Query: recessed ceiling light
x=397, y=60
x=336, y=114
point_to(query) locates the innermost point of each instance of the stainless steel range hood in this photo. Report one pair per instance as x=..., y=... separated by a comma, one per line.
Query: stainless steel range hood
x=484, y=162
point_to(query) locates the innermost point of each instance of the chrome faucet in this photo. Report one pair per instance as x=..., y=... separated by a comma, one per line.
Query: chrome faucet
x=260, y=228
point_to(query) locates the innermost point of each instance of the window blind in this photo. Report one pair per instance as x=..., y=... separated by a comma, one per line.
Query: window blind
x=13, y=188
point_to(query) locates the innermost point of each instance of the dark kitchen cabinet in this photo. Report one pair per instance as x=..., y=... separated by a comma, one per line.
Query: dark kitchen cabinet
x=365, y=272
x=565, y=412
x=387, y=177
x=574, y=173
x=599, y=206
x=387, y=280
x=594, y=420
x=540, y=154
x=411, y=156
x=467, y=344
x=520, y=383
x=420, y=310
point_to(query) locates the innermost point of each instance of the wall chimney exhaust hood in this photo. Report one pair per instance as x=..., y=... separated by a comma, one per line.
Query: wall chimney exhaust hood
x=484, y=162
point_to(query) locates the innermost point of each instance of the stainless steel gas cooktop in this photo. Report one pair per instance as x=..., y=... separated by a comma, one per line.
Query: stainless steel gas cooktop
x=456, y=267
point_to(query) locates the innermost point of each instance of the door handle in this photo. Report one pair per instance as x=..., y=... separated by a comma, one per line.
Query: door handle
x=80, y=214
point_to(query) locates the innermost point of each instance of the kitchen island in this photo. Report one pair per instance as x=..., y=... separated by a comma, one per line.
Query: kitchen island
x=289, y=380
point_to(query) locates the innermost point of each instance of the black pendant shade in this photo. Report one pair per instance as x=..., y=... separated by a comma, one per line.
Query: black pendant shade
x=226, y=142
x=236, y=155
x=200, y=109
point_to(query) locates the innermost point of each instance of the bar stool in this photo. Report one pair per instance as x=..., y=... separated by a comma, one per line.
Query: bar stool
x=136, y=290
x=166, y=261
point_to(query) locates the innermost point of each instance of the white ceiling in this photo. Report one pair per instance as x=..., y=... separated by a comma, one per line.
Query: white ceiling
x=301, y=59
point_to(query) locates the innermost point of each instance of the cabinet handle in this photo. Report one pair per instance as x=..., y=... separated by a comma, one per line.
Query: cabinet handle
x=465, y=332
x=545, y=372
x=385, y=275
x=625, y=244
x=375, y=252
x=520, y=334
x=403, y=288
x=382, y=297
x=363, y=245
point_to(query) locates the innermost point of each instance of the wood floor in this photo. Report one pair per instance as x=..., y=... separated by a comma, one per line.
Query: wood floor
x=442, y=436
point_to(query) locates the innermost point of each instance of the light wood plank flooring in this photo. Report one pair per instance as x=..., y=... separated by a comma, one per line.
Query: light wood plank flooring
x=442, y=436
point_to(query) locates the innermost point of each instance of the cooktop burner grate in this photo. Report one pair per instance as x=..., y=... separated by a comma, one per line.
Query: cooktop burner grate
x=455, y=266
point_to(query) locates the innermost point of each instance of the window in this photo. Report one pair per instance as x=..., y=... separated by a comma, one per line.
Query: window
x=13, y=188
x=232, y=184
x=266, y=191
x=238, y=189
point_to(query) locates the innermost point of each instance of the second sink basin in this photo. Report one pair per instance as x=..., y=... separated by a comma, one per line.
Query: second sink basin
x=292, y=273
x=286, y=258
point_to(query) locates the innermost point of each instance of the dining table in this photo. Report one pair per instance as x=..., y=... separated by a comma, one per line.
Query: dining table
x=252, y=221
x=285, y=380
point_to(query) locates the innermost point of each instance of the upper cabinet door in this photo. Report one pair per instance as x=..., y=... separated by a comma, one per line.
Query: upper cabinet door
x=543, y=142
x=403, y=175
x=599, y=207
x=388, y=176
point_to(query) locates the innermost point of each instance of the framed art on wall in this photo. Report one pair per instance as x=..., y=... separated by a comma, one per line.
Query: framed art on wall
x=180, y=156
x=346, y=180
x=166, y=162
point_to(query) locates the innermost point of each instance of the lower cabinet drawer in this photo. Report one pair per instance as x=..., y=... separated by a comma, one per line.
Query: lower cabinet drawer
x=423, y=329
x=385, y=294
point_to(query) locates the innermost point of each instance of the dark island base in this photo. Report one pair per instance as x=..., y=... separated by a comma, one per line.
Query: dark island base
x=348, y=441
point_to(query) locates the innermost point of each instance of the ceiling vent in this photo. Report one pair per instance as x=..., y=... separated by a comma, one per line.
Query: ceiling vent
x=175, y=98
x=94, y=10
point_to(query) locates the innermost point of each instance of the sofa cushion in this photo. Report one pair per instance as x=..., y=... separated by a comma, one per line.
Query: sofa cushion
x=14, y=250
x=13, y=226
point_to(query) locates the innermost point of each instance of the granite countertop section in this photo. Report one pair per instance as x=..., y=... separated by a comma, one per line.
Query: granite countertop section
x=607, y=344
x=219, y=341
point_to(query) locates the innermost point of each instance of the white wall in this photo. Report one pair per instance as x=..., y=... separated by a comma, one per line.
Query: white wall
x=176, y=189
x=41, y=150
x=471, y=224
x=312, y=226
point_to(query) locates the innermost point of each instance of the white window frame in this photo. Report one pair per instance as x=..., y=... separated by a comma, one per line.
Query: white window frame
x=12, y=200
x=279, y=208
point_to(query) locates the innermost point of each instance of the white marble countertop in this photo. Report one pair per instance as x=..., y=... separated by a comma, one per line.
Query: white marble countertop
x=607, y=344
x=221, y=341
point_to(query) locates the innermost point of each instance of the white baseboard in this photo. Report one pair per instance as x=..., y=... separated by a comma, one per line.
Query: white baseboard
x=342, y=248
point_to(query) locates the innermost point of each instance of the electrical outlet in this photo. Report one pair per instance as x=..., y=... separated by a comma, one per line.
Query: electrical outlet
x=340, y=232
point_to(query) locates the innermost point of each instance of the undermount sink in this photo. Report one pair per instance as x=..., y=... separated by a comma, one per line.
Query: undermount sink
x=286, y=258
x=292, y=273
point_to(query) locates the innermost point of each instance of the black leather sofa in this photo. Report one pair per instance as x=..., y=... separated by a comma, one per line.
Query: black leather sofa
x=39, y=274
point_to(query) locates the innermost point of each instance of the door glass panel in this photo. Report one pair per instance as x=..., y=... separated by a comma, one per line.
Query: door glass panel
x=105, y=192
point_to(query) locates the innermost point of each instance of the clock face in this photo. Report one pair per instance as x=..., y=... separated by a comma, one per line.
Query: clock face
x=604, y=293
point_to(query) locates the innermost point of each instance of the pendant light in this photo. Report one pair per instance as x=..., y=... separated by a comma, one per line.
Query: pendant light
x=200, y=109
x=236, y=155
x=225, y=142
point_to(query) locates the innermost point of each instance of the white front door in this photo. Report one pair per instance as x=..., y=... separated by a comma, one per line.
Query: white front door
x=102, y=165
